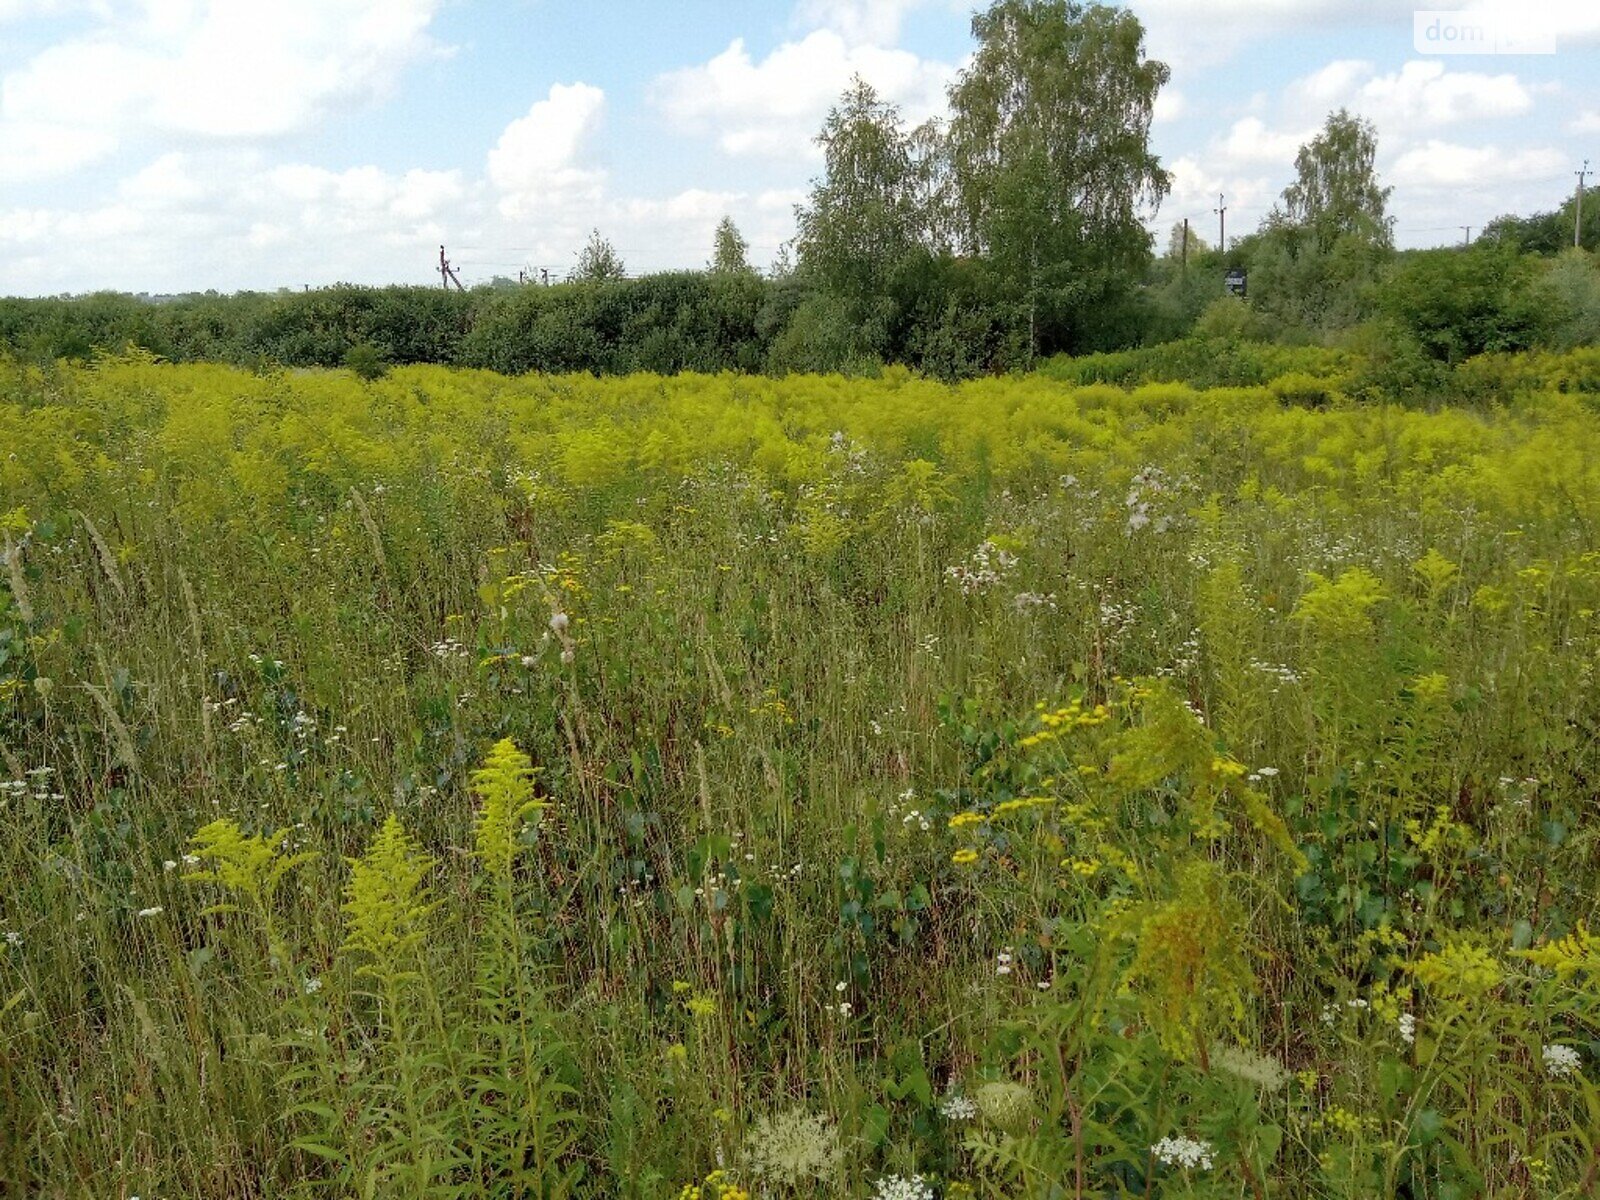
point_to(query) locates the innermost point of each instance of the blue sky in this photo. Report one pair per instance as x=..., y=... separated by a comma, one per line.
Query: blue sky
x=172, y=145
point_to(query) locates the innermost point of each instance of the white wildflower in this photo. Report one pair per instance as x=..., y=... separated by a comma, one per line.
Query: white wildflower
x=150, y=912
x=1407, y=1023
x=1242, y=1063
x=794, y=1148
x=14, y=940
x=313, y=986
x=899, y=1187
x=956, y=1107
x=1561, y=1062
x=1183, y=1152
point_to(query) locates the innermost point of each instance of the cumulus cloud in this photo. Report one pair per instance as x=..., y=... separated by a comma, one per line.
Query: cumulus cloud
x=870, y=22
x=774, y=106
x=1447, y=164
x=538, y=161
x=225, y=219
x=222, y=70
x=1250, y=141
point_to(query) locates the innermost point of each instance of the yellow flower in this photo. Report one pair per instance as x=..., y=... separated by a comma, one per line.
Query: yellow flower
x=964, y=857
x=1459, y=969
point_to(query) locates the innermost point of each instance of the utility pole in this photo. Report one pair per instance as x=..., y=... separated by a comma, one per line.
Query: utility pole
x=1578, y=220
x=1222, y=223
x=447, y=273
x=1186, y=245
x=1467, y=241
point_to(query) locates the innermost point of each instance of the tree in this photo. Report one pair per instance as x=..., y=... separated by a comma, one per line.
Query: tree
x=1459, y=303
x=1548, y=233
x=865, y=228
x=1336, y=192
x=862, y=219
x=1049, y=146
x=1175, y=242
x=728, y=250
x=598, y=262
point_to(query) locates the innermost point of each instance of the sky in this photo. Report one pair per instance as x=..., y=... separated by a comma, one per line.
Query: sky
x=168, y=146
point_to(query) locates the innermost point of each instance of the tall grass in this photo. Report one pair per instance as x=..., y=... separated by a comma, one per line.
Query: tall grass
x=469, y=786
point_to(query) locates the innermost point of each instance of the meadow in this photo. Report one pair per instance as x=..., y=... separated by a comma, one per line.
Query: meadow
x=720, y=787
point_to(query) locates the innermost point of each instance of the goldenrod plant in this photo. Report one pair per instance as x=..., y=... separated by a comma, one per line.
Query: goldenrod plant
x=1060, y=785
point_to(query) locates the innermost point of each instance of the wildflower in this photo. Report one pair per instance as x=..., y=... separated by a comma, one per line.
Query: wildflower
x=1183, y=1152
x=169, y=866
x=14, y=939
x=313, y=986
x=964, y=857
x=794, y=1148
x=1002, y=962
x=899, y=1187
x=1266, y=1073
x=1007, y=1106
x=956, y=1107
x=386, y=901
x=151, y=912
x=1560, y=1062
x=1406, y=1023
x=505, y=783
x=1566, y=956
x=1459, y=969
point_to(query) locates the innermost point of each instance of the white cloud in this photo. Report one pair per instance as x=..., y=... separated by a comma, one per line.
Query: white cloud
x=171, y=70
x=1585, y=122
x=20, y=10
x=1447, y=164
x=1194, y=194
x=1250, y=141
x=868, y=22
x=32, y=150
x=538, y=162
x=1170, y=105
x=1424, y=93
x=775, y=107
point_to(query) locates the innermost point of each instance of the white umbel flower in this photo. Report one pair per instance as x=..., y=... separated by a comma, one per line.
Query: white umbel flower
x=1183, y=1152
x=956, y=1107
x=1561, y=1062
x=899, y=1187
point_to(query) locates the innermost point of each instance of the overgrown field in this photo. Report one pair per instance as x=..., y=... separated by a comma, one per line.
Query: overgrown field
x=465, y=786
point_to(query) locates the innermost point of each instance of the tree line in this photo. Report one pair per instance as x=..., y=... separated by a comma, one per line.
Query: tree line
x=1014, y=228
